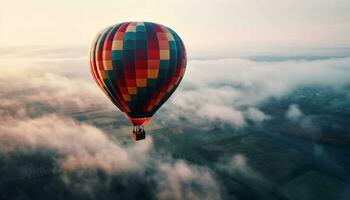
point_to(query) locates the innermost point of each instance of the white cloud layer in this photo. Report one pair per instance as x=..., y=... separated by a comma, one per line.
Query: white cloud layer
x=27, y=123
x=226, y=91
x=84, y=147
x=80, y=145
x=230, y=90
x=222, y=91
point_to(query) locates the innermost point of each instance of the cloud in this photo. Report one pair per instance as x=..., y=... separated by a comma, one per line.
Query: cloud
x=294, y=113
x=36, y=103
x=178, y=179
x=33, y=91
x=234, y=86
x=81, y=147
x=256, y=115
x=239, y=162
x=38, y=98
x=205, y=106
x=214, y=92
x=238, y=166
x=219, y=113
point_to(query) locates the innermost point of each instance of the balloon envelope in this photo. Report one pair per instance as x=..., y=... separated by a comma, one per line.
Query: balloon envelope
x=138, y=65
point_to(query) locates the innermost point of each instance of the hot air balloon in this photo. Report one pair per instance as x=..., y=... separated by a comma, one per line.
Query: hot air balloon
x=138, y=65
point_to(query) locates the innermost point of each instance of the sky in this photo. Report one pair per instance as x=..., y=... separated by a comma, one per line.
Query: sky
x=203, y=25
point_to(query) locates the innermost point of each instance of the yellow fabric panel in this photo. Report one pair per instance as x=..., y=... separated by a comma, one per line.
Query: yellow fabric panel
x=107, y=65
x=132, y=90
x=117, y=45
x=141, y=82
x=152, y=73
x=131, y=27
x=164, y=55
